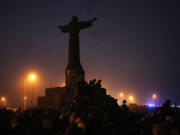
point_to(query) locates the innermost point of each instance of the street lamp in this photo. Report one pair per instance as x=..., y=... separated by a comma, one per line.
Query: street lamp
x=32, y=78
x=131, y=99
x=25, y=100
x=154, y=97
x=3, y=99
x=121, y=96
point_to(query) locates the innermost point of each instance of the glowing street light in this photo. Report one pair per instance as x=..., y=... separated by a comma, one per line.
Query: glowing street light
x=32, y=78
x=3, y=99
x=131, y=99
x=154, y=97
x=121, y=94
x=25, y=100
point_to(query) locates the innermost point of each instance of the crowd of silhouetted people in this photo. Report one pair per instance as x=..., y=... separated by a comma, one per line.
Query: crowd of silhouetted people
x=164, y=120
x=92, y=112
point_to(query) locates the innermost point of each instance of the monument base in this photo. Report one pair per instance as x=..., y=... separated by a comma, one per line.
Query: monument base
x=74, y=75
x=52, y=98
x=56, y=97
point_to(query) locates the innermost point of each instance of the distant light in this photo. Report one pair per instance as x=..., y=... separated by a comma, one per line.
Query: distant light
x=3, y=99
x=154, y=96
x=131, y=98
x=25, y=98
x=15, y=109
x=151, y=105
x=121, y=95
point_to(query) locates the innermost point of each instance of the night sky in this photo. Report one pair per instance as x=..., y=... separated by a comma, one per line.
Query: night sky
x=131, y=48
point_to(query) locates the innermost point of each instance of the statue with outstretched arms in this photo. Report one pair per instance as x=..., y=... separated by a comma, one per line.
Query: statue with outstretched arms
x=74, y=68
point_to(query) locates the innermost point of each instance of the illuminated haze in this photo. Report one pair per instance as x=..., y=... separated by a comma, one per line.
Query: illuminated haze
x=131, y=48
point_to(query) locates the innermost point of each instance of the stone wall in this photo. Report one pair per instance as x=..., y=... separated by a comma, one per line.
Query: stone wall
x=53, y=98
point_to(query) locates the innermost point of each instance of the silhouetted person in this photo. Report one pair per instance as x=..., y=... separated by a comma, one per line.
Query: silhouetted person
x=124, y=106
x=98, y=84
x=166, y=108
x=92, y=82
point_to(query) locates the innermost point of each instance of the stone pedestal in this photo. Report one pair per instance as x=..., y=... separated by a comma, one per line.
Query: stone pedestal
x=56, y=97
x=53, y=98
x=74, y=75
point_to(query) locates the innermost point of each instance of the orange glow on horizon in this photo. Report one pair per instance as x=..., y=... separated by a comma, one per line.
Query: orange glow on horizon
x=62, y=84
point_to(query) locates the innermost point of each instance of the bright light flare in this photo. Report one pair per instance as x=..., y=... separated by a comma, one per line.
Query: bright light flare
x=32, y=77
x=131, y=99
x=121, y=95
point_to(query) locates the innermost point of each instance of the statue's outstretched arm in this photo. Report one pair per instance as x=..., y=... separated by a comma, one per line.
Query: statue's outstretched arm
x=83, y=25
x=94, y=19
x=64, y=28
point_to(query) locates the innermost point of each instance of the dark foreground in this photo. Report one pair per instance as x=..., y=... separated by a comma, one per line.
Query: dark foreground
x=164, y=120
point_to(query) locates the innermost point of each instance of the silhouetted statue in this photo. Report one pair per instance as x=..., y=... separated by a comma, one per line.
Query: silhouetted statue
x=74, y=69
